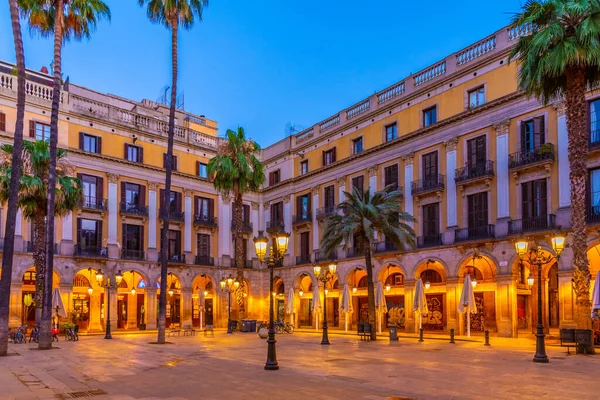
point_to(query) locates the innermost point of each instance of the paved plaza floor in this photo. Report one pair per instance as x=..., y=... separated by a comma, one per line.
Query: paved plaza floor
x=231, y=367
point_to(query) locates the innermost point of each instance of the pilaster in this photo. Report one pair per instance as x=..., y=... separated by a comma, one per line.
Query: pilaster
x=408, y=178
x=450, y=185
x=502, y=178
x=151, y=304
x=372, y=171
x=113, y=209
x=67, y=246
x=186, y=312
x=152, y=252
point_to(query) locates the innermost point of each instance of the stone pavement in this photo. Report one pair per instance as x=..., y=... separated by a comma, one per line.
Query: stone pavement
x=231, y=367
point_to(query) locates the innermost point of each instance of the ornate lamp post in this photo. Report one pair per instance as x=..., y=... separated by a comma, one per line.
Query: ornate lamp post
x=325, y=275
x=534, y=256
x=229, y=285
x=281, y=241
x=108, y=284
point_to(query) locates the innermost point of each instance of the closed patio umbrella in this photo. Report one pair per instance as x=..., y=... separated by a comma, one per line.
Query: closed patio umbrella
x=201, y=301
x=467, y=302
x=346, y=305
x=316, y=305
x=289, y=307
x=596, y=295
x=57, y=304
x=420, y=303
x=380, y=304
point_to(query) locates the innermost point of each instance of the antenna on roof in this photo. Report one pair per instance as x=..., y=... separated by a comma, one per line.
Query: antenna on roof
x=292, y=129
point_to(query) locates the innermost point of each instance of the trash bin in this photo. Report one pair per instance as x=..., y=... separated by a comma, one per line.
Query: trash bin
x=248, y=325
x=393, y=333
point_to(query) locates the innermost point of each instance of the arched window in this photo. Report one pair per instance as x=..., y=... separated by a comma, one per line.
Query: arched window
x=123, y=284
x=362, y=283
x=431, y=276
x=474, y=272
x=208, y=286
x=395, y=279
x=29, y=278
x=280, y=288
x=142, y=284
x=336, y=284
x=81, y=281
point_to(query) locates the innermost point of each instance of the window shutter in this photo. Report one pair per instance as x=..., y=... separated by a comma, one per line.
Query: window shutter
x=309, y=203
x=141, y=155
x=523, y=135
x=81, y=140
x=141, y=245
x=273, y=206
x=246, y=213
x=324, y=158
x=123, y=192
x=333, y=157
x=298, y=205
x=32, y=130
x=164, y=160
x=79, y=231
x=142, y=196
x=197, y=168
x=196, y=201
x=161, y=201
x=178, y=240
x=99, y=233
x=179, y=201
x=124, y=236
x=100, y=189
x=539, y=131
x=2, y=122
x=99, y=145
x=126, y=151
x=211, y=208
x=270, y=178
x=280, y=208
x=174, y=158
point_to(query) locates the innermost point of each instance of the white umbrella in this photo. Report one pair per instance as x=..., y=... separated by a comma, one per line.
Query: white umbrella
x=420, y=303
x=380, y=304
x=316, y=305
x=201, y=301
x=346, y=305
x=57, y=302
x=467, y=302
x=289, y=307
x=596, y=295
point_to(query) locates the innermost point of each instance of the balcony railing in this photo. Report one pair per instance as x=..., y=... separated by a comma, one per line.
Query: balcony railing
x=94, y=203
x=429, y=241
x=541, y=153
x=325, y=212
x=178, y=216
x=129, y=254
x=426, y=185
x=275, y=226
x=303, y=259
x=540, y=223
x=476, y=233
x=204, y=220
x=204, y=260
x=479, y=170
x=247, y=226
x=178, y=258
x=134, y=209
x=246, y=263
x=352, y=252
x=385, y=247
x=321, y=256
x=28, y=247
x=91, y=251
x=302, y=218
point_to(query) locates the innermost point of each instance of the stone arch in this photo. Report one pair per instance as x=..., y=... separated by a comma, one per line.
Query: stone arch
x=518, y=264
x=390, y=268
x=484, y=267
x=437, y=265
x=202, y=281
x=304, y=282
x=593, y=255
x=27, y=274
x=349, y=276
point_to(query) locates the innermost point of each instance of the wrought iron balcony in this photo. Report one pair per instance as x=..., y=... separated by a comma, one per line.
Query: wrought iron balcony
x=178, y=258
x=428, y=185
x=28, y=247
x=303, y=259
x=473, y=172
x=204, y=220
x=429, y=241
x=321, y=256
x=593, y=214
x=543, y=153
x=134, y=209
x=246, y=263
x=174, y=216
x=129, y=254
x=476, y=233
x=91, y=251
x=325, y=212
x=94, y=203
x=275, y=226
x=385, y=247
x=247, y=226
x=204, y=260
x=352, y=252
x=303, y=218
x=542, y=223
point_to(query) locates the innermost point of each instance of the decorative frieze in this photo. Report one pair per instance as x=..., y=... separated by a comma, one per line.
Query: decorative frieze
x=451, y=144
x=341, y=181
x=188, y=192
x=153, y=186
x=502, y=127
x=112, y=178
x=408, y=159
x=372, y=171
x=286, y=198
x=315, y=190
x=255, y=205
x=560, y=107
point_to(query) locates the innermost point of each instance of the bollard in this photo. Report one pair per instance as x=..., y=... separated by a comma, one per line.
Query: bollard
x=487, y=338
x=420, y=334
x=452, y=336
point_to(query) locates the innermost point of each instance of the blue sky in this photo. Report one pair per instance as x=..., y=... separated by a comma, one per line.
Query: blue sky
x=261, y=64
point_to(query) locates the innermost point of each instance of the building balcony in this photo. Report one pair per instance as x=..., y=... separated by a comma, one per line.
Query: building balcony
x=92, y=203
x=174, y=216
x=429, y=241
x=301, y=219
x=543, y=154
x=325, y=212
x=247, y=226
x=91, y=251
x=275, y=226
x=303, y=259
x=129, y=254
x=472, y=173
x=476, y=233
x=542, y=223
x=593, y=215
x=204, y=260
x=321, y=256
x=206, y=221
x=28, y=247
x=385, y=247
x=353, y=252
x=133, y=209
x=423, y=186
x=246, y=263
x=178, y=258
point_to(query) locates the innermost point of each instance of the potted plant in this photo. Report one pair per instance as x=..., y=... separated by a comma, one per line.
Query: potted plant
x=544, y=149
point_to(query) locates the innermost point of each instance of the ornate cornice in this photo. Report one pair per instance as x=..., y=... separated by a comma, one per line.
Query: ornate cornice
x=341, y=181
x=226, y=199
x=286, y=198
x=153, y=186
x=112, y=178
x=315, y=190
x=372, y=170
x=266, y=205
x=502, y=127
x=560, y=107
x=255, y=205
x=188, y=192
x=408, y=159
x=451, y=144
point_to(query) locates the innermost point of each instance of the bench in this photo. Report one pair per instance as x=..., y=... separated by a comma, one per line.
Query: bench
x=567, y=339
x=189, y=330
x=209, y=331
x=174, y=330
x=364, y=331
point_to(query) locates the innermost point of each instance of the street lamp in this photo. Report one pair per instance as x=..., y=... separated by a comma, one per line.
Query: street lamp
x=325, y=275
x=427, y=283
x=276, y=254
x=229, y=285
x=535, y=256
x=108, y=285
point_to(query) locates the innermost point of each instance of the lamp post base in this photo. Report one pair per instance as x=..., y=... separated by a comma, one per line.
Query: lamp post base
x=540, y=347
x=325, y=340
x=271, y=364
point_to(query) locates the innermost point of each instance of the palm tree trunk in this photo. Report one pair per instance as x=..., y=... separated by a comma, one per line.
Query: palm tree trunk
x=11, y=214
x=370, y=289
x=45, y=326
x=162, y=310
x=239, y=251
x=577, y=117
x=39, y=262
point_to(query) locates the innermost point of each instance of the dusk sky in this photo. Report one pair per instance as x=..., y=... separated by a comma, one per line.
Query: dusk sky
x=265, y=63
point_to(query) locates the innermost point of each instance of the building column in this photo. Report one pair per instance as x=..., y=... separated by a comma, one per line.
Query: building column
x=502, y=192
x=66, y=293
x=288, y=200
x=408, y=178
x=16, y=305
x=315, y=222
x=451, y=219
x=152, y=252
x=411, y=325
x=187, y=227
x=113, y=309
x=95, y=312
x=341, y=182
x=186, y=304
x=131, y=311
x=113, y=209
x=67, y=247
x=18, y=232
x=224, y=228
x=563, y=213
x=372, y=171
x=506, y=305
x=452, y=299
x=255, y=221
x=150, y=307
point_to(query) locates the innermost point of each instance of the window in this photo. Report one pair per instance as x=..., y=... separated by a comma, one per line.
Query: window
x=174, y=161
x=203, y=208
x=594, y=121
x=534, y=199
x=89, y=233
x=431, y=220
x=476, y=151
x=395, y=279
x=174, y=245
x=477, y=97
x=304, y=245
x=134, y=153
x=329, y=157
x=2, y=122
x=430, y=168
x=594, y=192
x=93, y=188
x=532, y=134
x=277, y=213
x=132, y=194
x=203, y=245
x=304, y=167
x=274, y=177
x=329, y=200
x=391, y=132
x=303, y=207
x=173, y=202
x=429, y=116
x=90, y=143
x=133, y=237
x=478, y=210
x=357, y=145
x=39, y=131
x=358, y=182
x=390, y=176
x=202, y=170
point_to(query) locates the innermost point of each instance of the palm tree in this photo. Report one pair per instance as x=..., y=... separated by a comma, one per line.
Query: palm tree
x=63, y=19
x=360, y=218
x=171, y=14
x=561, y=59
x=237, y=170
x=11, y=214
